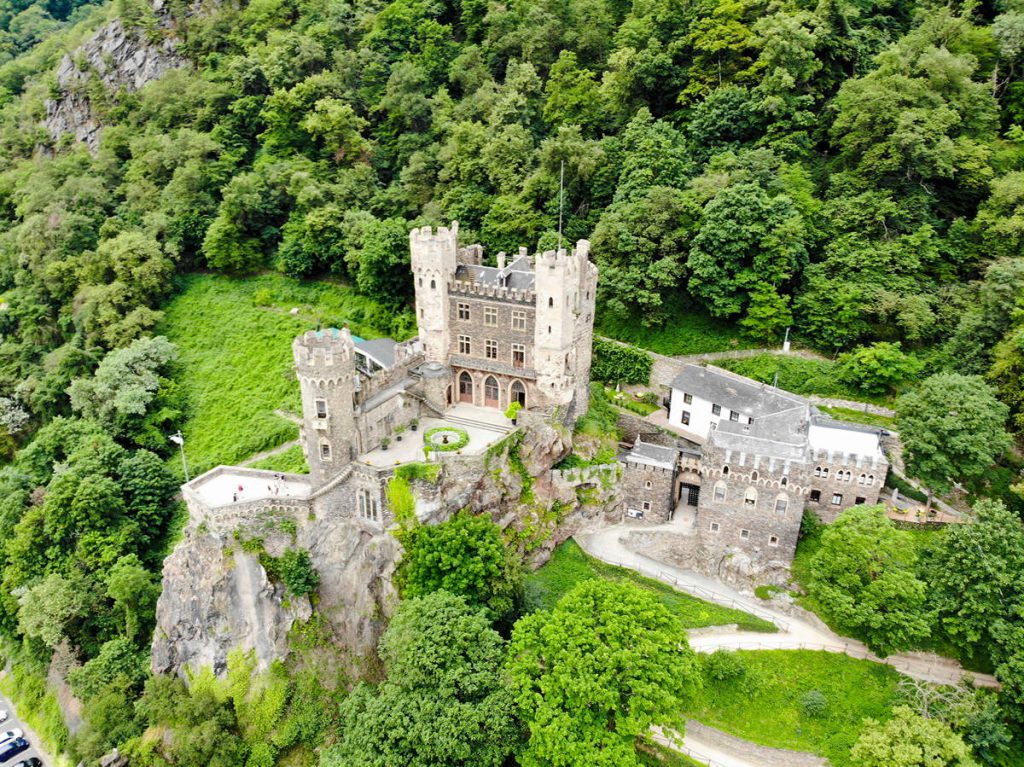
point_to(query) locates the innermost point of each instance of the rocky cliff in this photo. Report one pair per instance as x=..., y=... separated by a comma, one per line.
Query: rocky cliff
x=217, y=597
x=117, y=58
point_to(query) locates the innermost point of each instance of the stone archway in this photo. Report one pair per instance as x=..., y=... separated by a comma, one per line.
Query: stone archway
x=492, y=393
x=517, y=393
x=465, y=388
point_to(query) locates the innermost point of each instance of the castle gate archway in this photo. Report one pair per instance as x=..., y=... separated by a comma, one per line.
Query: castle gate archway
x=492, y=394
x=465, y=387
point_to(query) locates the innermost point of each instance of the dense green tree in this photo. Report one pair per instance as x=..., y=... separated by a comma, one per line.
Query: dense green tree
x=465, y=556
x=909, y=740
x=594, y=674
x=445, y=702
x=952, y=428
x=863, y=576
x=877, y=369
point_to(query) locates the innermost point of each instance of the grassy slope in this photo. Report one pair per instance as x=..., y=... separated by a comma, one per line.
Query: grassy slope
x=570, y=565
x=291, y=460
x=687, y=331
x=764, y=706
x=799, y=375
x=235, y=358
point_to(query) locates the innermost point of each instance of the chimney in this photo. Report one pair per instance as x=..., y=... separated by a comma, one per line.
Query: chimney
x=501, y=260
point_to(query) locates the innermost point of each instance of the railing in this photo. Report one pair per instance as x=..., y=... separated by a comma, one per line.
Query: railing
x=699, y=591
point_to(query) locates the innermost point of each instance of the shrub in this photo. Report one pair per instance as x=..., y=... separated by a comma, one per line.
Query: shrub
x=461, y=439
x=724, y=665
x=262, y=297
x=297, y=572
x=615, y=362
x=813, y=704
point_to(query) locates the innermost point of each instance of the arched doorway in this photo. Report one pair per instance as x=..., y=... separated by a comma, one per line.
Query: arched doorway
x=517, y=393
x=448, y=396
x=491, y=392
x=465, y=387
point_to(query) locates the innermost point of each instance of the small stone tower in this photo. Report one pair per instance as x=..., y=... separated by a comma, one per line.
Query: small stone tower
x=565, y=292
x=434, y=259
x=326, y=367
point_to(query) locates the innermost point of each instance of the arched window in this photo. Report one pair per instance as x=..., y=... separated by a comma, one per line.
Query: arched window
x=719, y=491
x=433, y=284
x=871, y=480
x=824, y=472
x=750, y=497
x=725, y=471
x=781, y=503
x=753, y=476
x=862, y=479
x=785, y=481
x=465, y=387
x=517, y=393
x=551, y=301
x=647, y=485
x=817, y=471
x=491, y=392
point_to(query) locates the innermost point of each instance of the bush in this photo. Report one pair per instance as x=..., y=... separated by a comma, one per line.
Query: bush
x=813, y=704
x=617, y=363
x=723, y=665
x=297, y=572
x=461, y=439
x=905, y=488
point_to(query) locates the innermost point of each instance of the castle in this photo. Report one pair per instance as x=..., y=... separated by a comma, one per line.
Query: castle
x=754, y=457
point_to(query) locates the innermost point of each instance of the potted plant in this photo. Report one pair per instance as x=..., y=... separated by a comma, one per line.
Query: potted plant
x=512, y=412
x=398, y=431
x=414, y=423
x=385, y=443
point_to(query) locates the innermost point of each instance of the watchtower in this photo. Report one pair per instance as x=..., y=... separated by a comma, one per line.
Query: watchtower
x=434, y=260
x=326, y=367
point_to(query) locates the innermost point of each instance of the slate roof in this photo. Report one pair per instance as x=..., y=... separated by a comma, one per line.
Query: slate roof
x=652, y=455
x=518, y=274
x=380, y=350
x=734, y=392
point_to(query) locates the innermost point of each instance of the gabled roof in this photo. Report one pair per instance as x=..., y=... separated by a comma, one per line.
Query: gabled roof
x=652, y=455
x=517, y=275
x=734, y=391
x=380, y=350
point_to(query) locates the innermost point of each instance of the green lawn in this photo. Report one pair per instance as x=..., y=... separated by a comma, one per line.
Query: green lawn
x=687, y=331
x=763, y=705
x=859, y=416
x=291, y=460
x=235, y=359
x=799, y=375
x=570, y=565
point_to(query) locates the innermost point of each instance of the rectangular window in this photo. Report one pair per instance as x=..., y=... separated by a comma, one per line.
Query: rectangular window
x=325, y=451
x=714, y=527
x=464, y=345
x=368, y=508
x=781, y=504
x=744, y=533
x=719, y=492
x=837, y=498
x=773, y=540
x=860, y=500
x=518, y=356
x=491, y=347
x=688, y=398
x=716, y=410
x=321, y=408
x=816, y=496
x=518, y=320
x=490, y=316
x=733, y=415
x=685, y=418
x=647, y=505
x=463, y=311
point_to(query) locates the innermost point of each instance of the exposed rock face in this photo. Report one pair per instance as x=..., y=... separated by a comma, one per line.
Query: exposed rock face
x=121, y=59
x=214, y=600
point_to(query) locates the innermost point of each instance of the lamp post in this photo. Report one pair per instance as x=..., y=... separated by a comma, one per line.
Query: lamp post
x=179, y=440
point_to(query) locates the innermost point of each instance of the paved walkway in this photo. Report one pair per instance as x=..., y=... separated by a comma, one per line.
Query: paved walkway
x=794, y=633
x=720, y=749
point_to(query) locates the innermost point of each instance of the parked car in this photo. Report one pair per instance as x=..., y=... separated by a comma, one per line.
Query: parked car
x=32, y=761
x=11, y=735
x=12, y=748
x=3, y=716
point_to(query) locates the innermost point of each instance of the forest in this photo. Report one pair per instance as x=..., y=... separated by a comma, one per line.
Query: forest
x=851, y=170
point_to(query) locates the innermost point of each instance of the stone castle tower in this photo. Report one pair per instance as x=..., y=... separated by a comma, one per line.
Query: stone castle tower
x=518, y=331
x=326, y=367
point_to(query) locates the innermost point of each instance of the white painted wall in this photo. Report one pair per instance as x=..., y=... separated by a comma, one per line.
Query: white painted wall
x=843, y=441
x=701, y=416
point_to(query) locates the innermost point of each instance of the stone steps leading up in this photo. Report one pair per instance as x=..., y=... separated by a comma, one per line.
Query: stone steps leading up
x=460, y=421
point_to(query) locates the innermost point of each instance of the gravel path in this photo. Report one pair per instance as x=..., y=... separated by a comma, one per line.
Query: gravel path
x=794, y=633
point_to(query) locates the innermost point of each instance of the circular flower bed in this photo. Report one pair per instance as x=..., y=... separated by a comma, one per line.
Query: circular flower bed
x=445, y=438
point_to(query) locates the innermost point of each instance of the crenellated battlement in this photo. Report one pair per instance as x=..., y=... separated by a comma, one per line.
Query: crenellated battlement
x=492, y=291
x=319, y=351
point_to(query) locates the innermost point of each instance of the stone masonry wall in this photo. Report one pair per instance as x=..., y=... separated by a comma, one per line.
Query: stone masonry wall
x=648, y=489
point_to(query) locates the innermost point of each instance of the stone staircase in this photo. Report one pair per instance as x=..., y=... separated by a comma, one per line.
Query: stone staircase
x=459, y=420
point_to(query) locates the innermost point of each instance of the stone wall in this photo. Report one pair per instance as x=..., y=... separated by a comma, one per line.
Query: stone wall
x=827, y=477
x=648, y=490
